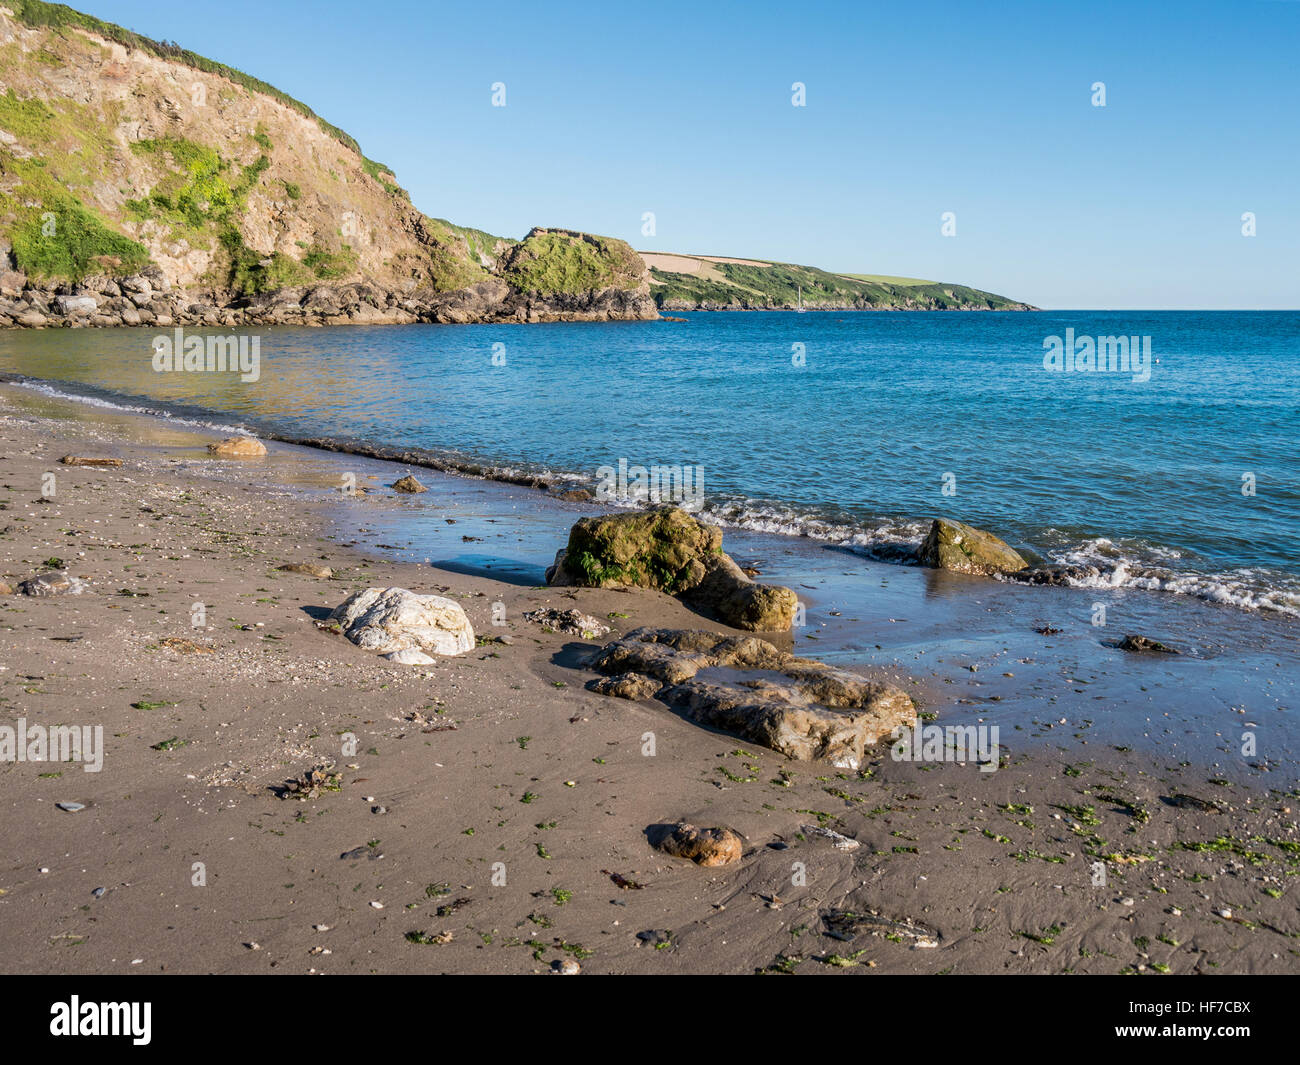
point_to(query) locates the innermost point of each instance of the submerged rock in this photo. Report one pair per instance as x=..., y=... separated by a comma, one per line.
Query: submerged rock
x=743, y=685
x=238, y=447
x=1056, y=574
x=1134, y=642
x=409, y=484
x=669, y=550
x=703, y=846
x=403, y=626
x=966, y=549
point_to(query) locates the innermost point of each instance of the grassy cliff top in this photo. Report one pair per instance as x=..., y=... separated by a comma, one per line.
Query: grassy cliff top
x=38, y=13
x=685, y=280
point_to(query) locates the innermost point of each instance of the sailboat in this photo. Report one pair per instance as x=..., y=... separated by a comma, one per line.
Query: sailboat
x=801, y=309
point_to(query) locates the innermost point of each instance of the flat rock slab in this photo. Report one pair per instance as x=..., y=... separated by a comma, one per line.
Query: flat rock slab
x=807, y=710
x=404, y=627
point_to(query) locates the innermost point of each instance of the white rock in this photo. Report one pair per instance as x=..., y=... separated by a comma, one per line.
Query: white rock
x=411, y=656
x=403, y=626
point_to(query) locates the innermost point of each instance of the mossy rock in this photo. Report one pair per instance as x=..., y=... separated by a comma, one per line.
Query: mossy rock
x=668, y=550
x=966, y=549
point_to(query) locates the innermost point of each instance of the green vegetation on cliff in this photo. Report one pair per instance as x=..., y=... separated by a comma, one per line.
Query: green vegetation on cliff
x=563, y=261
x=37, y=13
x=719, y=283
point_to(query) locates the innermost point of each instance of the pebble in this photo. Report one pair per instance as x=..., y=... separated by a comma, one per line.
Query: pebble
x=565, y=967
x=1126, y=901
x=377, y=905
x=100, y=892
x=71, y=807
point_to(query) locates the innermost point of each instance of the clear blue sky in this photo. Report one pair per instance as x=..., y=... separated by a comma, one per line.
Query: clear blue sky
x=913, y=109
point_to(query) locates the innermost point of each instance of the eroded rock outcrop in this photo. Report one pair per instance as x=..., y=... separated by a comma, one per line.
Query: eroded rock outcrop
x=752, y=689
x=667, y=549
x=966, y=549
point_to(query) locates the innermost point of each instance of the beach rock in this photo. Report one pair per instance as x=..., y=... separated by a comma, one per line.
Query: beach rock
x=634, y=686
x=6, y=589
x=184, y=646
x=838, y=840
x=74, y=460
x=572, y=622
x=576, y=495
x=1056, y=574
x=238, y=447
x=56, y=582
x=309, y=569
x=703, y=846
x=667, y=549
x=409, y=484
x=75, y=305
x=1144, y=644
x=965, y=549
x=805, y=709
x=403, y=626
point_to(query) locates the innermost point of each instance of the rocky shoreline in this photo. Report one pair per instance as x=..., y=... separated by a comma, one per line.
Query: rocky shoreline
x=148, y=299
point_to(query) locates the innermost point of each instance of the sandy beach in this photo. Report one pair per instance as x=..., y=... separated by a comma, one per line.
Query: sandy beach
x=495, y=814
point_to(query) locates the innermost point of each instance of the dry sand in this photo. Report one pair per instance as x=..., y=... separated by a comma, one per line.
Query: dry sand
x=499, y=762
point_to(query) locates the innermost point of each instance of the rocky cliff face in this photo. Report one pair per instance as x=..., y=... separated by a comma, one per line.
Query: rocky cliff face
x=140, y=184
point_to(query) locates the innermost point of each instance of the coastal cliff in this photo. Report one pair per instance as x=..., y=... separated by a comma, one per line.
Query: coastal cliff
x=718, y=283
x=141, y=184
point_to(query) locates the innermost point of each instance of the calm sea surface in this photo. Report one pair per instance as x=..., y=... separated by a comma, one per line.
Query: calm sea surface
x=852, y=428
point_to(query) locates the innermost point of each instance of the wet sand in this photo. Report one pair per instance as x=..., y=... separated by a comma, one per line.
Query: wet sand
x=499, y=761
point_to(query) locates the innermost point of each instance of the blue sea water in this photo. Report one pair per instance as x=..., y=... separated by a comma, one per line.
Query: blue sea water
x=854, y=428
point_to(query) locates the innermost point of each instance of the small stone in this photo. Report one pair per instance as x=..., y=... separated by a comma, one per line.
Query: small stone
x=703, y=846
x=99, y=892
x=565, y=967
x=70, y=807
x=1225, y=913
x=74, y=460
x=309, y=569
x=409, y=484
x=238, y=447
x=1126, y=901
x=55, y=582
x=571, y=622
x=376, y=905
